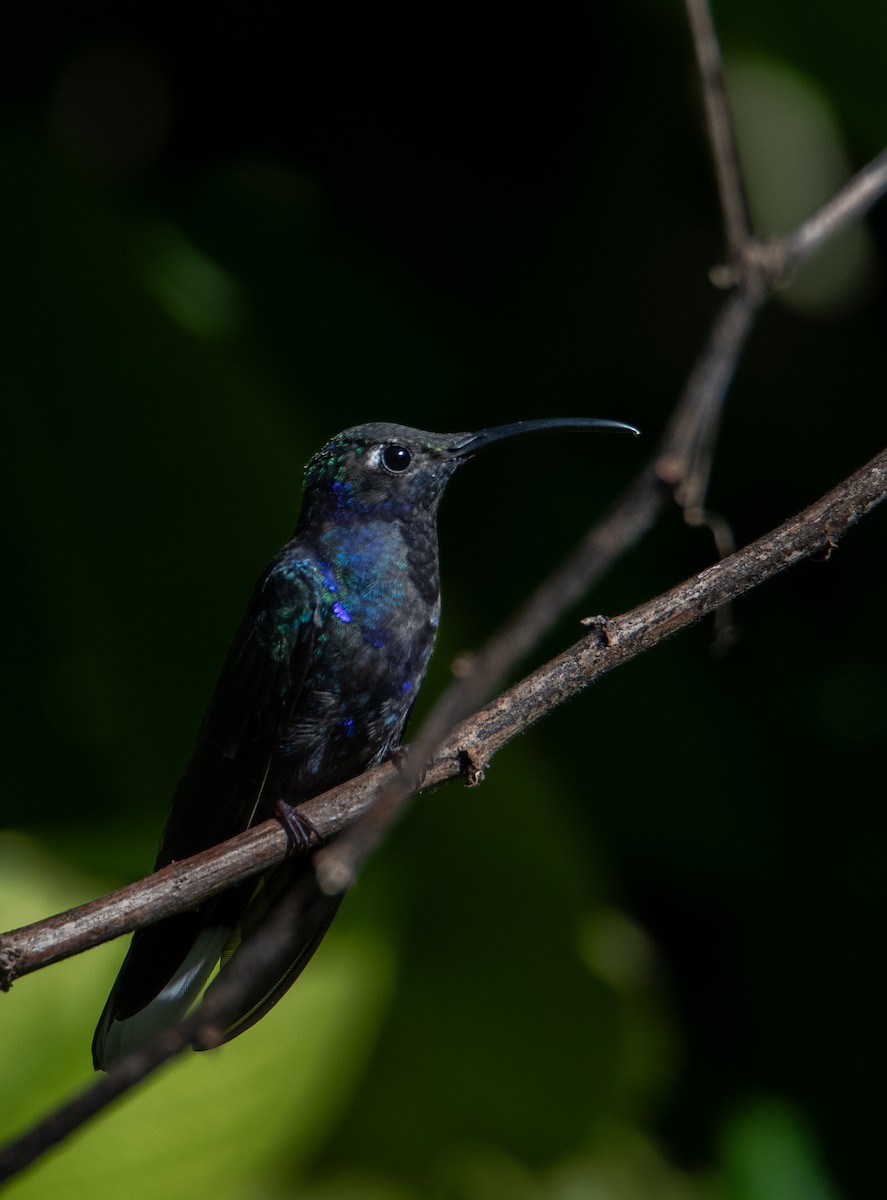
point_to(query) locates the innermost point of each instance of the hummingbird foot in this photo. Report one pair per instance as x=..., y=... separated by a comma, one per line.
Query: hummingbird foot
x=297, y=827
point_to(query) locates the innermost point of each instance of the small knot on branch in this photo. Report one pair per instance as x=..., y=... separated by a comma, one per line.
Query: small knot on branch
x=759, y=266
x=822, y=556
x=471, y=770
x=9, y=956
x=600, y=626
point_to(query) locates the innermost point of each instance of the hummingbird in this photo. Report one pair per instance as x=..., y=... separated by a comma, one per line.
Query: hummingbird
x=317, y=687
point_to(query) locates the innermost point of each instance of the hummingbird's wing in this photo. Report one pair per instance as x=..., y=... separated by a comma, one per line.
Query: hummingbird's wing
x=220, y=794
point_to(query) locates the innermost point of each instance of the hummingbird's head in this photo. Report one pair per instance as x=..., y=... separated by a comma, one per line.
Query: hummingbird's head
x=402, y=472
x=383, y=468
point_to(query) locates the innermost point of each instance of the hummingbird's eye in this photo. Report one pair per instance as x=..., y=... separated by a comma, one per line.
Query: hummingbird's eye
x=396, y=458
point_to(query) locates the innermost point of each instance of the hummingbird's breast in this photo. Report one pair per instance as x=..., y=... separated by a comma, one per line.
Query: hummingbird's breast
x=378, y=614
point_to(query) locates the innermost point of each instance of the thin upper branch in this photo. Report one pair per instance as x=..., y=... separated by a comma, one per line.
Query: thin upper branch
x=687, y=446
x=719, y=122
x=756, y=265
x=846, y=207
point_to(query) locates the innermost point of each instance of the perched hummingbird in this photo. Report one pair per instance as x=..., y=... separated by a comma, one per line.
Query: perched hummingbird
x=317, y=686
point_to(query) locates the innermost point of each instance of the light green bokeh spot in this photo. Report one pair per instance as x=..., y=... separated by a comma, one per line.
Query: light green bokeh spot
x=793, y=161
x=770, y=1154
x=230, y=1123
x=196, y=292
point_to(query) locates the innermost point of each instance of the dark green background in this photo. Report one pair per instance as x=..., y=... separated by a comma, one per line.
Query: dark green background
x=644, y=959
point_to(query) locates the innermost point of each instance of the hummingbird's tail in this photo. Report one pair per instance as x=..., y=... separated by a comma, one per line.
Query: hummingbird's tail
x=169, y=964
x=117, y=1035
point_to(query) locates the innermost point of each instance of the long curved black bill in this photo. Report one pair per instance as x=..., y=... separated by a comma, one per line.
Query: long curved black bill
x=500, y=433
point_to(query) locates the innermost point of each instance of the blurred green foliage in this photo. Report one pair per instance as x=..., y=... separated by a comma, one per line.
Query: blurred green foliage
x=642, y=961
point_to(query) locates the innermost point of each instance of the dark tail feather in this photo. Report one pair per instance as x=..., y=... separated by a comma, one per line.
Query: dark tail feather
x=279, y=935
x=168, y=964
x=117, y=1034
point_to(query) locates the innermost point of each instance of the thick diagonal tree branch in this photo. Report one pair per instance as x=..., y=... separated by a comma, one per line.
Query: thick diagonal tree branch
x=470, y=746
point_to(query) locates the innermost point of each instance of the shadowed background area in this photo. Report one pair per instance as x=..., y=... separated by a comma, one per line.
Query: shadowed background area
x=643, y=959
